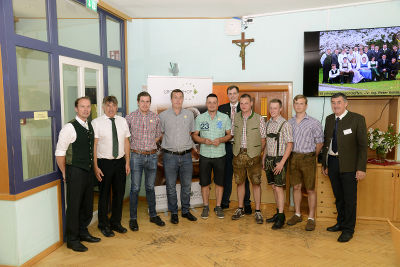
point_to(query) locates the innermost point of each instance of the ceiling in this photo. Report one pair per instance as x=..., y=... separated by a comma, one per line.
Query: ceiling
x=221, y=8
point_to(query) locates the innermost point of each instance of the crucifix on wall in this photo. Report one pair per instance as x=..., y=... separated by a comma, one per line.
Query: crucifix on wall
x=243, y=43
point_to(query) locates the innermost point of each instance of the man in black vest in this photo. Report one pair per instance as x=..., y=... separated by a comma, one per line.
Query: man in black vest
x=344, y=160
x=326, y=62
x=74, y=155
x=231, y=109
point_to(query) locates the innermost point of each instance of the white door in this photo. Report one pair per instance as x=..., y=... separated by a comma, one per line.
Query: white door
x=80, y=78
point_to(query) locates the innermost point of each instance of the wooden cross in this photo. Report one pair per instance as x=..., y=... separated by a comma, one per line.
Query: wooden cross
x=243, y=43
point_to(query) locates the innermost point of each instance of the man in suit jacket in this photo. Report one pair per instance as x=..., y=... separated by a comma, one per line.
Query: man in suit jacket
x=344, y=160
x=383, y=67
x=231, y=109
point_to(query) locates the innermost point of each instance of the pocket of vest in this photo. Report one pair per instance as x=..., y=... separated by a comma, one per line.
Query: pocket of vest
x=257, y=145
x=254, y=128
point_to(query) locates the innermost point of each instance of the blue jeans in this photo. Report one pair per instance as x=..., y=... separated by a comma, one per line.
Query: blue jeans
x=181, y=165
x=148, y=164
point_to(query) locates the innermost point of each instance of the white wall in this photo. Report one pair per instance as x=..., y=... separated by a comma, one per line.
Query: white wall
x=202, y=49
x=28, y=226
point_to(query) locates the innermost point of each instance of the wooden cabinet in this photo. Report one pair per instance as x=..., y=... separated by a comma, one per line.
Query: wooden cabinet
x=375, y=196
x=378, y=195
x=396, y=200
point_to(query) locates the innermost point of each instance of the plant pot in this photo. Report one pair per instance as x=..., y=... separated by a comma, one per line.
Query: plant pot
x=381, y=157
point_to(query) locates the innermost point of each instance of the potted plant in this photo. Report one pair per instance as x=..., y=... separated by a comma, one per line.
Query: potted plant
x=383, y=142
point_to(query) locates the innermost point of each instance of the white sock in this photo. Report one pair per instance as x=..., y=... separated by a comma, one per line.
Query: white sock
x=311, y=218
x=298, y=214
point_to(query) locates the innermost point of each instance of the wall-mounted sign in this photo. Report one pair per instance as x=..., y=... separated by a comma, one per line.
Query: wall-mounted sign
x=92, y=4
x=40, y=115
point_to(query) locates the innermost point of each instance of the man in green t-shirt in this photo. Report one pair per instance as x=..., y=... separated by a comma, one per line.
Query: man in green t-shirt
x=212, y=130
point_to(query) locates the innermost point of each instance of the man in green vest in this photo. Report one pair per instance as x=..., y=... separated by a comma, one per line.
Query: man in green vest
x=277, y=151
x=74, y=155
x=249, y=132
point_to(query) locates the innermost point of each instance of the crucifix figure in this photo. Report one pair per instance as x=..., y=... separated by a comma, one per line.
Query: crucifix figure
x=243, y=43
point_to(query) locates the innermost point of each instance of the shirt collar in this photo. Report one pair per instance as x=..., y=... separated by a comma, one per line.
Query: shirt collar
x=81, y=121
x=106, y=117
x=341, y=116
x=234, y=105
x=277, y=119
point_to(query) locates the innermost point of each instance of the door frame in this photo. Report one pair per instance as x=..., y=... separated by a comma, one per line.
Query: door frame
x=82, y=64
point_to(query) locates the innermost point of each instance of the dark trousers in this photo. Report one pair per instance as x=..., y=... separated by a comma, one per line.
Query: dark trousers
x=325, y=73
x=79, y=202
x=114, y=178
x=228, y=179
x=344, y=186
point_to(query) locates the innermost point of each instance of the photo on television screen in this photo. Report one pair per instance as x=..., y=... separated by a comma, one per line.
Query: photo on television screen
x=359, y=62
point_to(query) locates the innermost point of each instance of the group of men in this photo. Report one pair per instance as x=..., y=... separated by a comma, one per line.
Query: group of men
x=234, y=142
x=340, y=64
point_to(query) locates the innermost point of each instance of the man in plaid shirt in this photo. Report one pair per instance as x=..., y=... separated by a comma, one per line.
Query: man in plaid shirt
x=145, y=129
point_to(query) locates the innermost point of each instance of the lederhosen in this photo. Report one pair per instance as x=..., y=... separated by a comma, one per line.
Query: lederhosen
x=270, y=161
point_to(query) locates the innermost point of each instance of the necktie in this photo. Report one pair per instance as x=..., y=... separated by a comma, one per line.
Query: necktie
x=334, y=139
x=233, y=111
x=114, y=138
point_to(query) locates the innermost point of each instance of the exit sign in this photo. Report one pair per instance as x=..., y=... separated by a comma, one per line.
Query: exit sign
x=92, y=4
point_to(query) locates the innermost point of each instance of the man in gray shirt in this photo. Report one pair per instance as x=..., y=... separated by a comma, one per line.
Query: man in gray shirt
x=177, y=125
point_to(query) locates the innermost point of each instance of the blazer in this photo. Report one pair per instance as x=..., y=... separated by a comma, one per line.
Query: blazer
x=351, y=139
x=226, y=109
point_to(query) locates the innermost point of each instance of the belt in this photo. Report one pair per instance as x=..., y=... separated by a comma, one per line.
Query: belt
x=177, y=153
x=333, y=156
x=304, y=154
x=243, y=149
x=144, y=152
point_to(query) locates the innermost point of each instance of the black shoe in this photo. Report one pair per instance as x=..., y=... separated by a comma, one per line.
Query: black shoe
x=273, y=218
x=133, y=225
x=335, y=228
x=119, y=228
x=247, y=209
x=189, y=216
x=345, y=237
x=280, y=221
x=157, y=220
x=89, y=238
x=77, y=247
x=174, y=218
x=225, y=206
x=106, y=231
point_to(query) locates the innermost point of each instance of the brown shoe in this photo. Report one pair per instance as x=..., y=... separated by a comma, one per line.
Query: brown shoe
x=310, y=226
x=295, y=219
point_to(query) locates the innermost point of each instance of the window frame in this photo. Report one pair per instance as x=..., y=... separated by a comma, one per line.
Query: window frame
x=9, y=40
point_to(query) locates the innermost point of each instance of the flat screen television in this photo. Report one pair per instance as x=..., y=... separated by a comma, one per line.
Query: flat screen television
x=333, y=62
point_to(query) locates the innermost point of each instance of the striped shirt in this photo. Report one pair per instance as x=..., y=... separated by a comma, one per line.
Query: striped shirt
x=144, y=130
x=285, y=136
x=306, y=134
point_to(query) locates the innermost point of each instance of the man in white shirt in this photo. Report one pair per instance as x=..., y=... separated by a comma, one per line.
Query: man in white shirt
x=74, y=155
x=346, y=71
x=111, y=164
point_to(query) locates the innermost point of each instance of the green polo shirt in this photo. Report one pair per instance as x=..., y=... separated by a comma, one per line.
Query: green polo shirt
x=212, y=129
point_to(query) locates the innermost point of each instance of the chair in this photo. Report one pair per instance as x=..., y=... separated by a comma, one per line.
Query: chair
x=396, y=238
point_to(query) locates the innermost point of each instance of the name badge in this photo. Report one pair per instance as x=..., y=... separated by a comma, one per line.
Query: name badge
x=347, y=131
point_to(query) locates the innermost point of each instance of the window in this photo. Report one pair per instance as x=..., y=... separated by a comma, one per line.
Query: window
x=30, y=18
x=78, y=27
x=113, y=39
